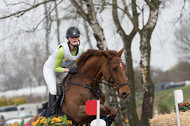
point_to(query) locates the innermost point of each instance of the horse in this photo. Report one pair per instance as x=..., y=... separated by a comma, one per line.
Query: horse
x=92, y=66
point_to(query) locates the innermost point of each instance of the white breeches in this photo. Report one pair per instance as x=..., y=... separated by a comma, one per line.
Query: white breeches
x=50, y=78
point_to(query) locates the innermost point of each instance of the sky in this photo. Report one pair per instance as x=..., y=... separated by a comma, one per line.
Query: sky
x=163, y=53
x=163, y=50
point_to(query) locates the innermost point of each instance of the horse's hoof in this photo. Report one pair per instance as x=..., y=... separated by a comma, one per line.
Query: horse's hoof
x=113, y=113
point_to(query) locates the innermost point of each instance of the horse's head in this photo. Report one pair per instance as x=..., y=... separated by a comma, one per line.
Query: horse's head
x=114, y=72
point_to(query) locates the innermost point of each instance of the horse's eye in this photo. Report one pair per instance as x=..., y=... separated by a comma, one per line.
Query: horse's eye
x=114, y=69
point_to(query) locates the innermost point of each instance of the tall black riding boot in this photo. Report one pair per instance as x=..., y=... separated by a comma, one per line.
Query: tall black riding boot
x=52, y=106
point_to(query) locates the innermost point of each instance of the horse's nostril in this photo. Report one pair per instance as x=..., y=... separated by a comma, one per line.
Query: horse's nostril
x=124, y=95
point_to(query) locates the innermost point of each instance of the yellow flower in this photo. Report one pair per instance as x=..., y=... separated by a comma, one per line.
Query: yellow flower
x=15, y=123
x=34, y=123
x=69, y=121
x=52, y=122
x=10, y=124
x=127, y=121
x=42, y=121
x=56, y=120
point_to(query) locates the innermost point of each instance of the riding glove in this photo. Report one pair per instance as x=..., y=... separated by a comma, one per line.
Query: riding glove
x=73, y=70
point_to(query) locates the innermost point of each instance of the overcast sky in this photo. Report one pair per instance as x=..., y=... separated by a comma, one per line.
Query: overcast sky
x=163, y=53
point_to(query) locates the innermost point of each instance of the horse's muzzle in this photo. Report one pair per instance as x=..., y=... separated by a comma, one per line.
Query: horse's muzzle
x=124, y=95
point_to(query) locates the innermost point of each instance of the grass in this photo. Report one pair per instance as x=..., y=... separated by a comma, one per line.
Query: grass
x=166, y=97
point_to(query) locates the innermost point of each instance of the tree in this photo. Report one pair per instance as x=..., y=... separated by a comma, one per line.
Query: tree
x=183, y=41
x=127, y=40
x=145, y=29
x=145, y=48
x=179, y=72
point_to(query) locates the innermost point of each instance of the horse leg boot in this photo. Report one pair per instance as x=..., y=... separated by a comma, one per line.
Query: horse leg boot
x=52, y=106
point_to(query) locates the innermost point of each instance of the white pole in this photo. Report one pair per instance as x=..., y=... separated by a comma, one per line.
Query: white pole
x=176, y=106
x=98, y=113
x=177, y=113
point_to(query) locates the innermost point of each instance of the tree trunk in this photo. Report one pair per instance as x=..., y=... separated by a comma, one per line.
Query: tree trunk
x=47, y=30
x=148, y=100
x=127, y=40
x=145, y=49
x=91, y=18
x=115, y=102
x=57, y=23
x=86, y=29
x=87, y=36
x=131, y=102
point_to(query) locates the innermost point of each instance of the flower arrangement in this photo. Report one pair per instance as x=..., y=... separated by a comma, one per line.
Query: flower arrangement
x=52, y=121
x=183, y=106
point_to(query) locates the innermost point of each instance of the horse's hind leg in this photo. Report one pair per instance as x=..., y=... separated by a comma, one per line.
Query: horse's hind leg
x=35, y=118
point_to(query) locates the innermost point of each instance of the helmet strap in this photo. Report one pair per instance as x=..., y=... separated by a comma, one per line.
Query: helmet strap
x=74, y=45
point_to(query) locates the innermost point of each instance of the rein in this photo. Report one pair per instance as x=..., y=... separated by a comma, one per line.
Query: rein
x=96, y=91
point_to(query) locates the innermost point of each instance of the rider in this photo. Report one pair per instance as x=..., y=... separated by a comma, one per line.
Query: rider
x=61, y=62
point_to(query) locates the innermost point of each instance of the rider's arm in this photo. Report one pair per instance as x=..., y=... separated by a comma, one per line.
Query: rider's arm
x=58, y=59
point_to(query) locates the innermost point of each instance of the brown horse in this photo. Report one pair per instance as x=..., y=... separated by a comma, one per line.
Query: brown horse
x=84, y=86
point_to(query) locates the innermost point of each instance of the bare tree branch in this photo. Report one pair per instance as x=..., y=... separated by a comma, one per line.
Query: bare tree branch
x=12, y=4
x=35, y=28
x=22, y=12
x=149, y=3
x=79, y=9
x=135, y=23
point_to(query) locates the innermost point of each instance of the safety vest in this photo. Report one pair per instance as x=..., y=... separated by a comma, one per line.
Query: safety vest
x=68, y=59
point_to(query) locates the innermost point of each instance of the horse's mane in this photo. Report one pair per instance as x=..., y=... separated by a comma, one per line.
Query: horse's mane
x=92, y=52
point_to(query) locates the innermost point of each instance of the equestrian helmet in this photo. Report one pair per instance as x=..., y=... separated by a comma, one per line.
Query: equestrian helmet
x=72, y=32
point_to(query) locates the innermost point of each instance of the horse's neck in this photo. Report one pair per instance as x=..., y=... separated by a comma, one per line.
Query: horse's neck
x=93, y=67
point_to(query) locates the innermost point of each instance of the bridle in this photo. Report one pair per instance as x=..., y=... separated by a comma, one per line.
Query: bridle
x=96, y=91
x=111, y=76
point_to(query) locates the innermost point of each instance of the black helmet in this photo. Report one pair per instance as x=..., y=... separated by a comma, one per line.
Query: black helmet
x=72, y=32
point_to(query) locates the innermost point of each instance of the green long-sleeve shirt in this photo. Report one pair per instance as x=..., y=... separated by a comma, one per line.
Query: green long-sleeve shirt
x=60, y=55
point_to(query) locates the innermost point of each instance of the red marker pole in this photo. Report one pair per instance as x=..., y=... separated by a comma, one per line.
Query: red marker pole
x=93, y=108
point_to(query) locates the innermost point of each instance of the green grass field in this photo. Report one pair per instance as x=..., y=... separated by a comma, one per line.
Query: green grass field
x=165, y=98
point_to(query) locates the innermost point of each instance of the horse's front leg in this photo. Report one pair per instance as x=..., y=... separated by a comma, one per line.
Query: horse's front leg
x=112, y=111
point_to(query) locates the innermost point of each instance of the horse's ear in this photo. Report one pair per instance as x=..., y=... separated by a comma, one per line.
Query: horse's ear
x=120, y=52
x=106, y=54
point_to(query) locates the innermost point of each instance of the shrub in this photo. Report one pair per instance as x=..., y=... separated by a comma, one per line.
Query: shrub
x=183, y=107
x=12, y=101
x=163, y=108
x=52, y=121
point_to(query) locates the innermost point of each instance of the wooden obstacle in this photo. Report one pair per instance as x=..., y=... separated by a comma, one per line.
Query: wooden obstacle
x=171, y=119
